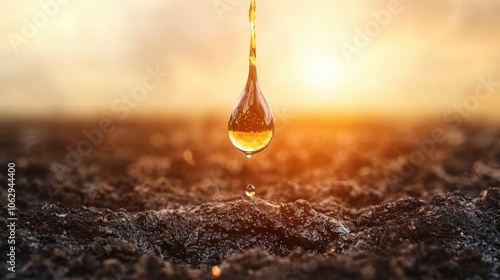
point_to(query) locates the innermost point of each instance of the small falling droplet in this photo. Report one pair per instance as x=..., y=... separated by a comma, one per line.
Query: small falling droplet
x=249, y=155
x=251, y=124
x=250, y=190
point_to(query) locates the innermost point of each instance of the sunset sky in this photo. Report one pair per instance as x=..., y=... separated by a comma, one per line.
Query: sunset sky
x=84, y=58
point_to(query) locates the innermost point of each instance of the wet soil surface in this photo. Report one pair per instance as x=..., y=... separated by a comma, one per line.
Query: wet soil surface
x=334, y=200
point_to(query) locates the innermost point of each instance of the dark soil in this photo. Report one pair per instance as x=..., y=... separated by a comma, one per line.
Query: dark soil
x=334, y=200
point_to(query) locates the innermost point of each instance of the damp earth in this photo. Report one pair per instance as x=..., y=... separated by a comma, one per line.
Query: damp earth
x=333, y=200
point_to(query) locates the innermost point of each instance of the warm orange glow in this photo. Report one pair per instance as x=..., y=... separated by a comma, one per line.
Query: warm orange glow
x=425, y=57
x=188, y=156
x=322, y=71
x=216, y=271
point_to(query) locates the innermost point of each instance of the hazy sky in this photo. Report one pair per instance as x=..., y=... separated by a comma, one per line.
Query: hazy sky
x=83, y=58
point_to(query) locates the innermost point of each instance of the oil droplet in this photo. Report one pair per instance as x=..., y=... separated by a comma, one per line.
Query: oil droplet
x=216, y=272
x=250, y=190
x=251, y=124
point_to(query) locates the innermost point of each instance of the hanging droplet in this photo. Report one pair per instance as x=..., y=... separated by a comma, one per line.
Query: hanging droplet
x=250, y=190
x=251, y=123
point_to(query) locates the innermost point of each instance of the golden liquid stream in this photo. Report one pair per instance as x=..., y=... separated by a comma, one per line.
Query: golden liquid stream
x=251, y=123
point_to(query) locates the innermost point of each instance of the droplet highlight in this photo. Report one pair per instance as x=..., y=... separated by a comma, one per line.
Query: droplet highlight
x=251, y=125
x=250, y=190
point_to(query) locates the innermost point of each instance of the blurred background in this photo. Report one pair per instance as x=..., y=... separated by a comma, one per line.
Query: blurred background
x=164, y=58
